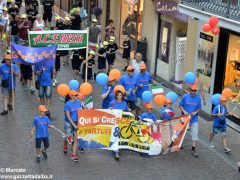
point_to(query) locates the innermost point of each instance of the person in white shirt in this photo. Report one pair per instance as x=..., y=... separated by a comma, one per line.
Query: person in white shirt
x=135, y=63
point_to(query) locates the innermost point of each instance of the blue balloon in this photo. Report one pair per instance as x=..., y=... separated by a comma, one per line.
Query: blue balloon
x=190, y=77
x=74, y=85
x=102, y=79
x=173, y=96
x=216, y=99
x=147, y=96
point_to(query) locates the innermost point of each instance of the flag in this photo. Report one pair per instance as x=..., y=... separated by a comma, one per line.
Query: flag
x=89, y=103
x=31, y=56
x=156, y=89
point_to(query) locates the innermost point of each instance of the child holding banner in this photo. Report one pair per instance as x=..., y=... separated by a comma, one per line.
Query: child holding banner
x=41, y=124
x=167, y=111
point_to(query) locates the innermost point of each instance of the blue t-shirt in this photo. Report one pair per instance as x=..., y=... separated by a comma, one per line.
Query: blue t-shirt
x=118, y=105
x=6, y=75
x=148, y=116
x=129, y=83
x=109, y=98
x=144, y=79
x=167, y=113
x=219, y=121
x=191, y=104
x=72, y=107
x=45, y=78
x=41, y=123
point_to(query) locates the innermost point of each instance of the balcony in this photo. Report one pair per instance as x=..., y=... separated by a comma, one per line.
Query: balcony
x=225, y=8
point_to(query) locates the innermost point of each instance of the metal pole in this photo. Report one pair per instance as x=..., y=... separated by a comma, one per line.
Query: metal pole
x=86, y=68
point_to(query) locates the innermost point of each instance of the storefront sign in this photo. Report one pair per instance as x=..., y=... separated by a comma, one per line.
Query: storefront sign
x=131, y=1
x=64, y=39
x=170, y=8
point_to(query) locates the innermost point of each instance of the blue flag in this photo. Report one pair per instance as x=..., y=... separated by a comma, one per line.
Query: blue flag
x=32, y=55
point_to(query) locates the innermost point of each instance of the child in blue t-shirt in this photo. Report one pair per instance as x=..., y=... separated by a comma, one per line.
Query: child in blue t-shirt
x=167, y=112
x=219, y=114
x=41, y=124
x=148, y=115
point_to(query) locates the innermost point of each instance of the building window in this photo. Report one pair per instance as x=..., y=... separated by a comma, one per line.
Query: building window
x=165, y=39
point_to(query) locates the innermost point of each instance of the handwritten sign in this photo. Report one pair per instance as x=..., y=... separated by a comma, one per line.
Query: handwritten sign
x=170, y=8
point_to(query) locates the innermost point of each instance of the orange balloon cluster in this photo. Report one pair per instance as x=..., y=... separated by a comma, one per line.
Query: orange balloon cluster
x=115, y=73
x=63, y=89
x=159, y=100
x=86, y=89
x=227, y=93
x=119, y=88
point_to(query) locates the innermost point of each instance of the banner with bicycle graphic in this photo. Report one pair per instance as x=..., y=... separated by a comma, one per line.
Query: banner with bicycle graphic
x=63, y=39
x=114, y=130
x=98, y=128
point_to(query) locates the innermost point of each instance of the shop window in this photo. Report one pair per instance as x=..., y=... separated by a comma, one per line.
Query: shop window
x=165, y=39
x=232, y=74
x=205, y=59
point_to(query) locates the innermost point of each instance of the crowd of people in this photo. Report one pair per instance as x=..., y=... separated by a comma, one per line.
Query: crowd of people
x=137, y=79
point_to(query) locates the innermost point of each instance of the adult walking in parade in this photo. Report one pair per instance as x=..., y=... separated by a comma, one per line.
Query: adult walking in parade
x=190, y=104
x=8, y=72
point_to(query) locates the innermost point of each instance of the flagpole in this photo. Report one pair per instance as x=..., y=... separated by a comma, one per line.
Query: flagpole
x=32, y=66
x=86, y=68
x=13, y=102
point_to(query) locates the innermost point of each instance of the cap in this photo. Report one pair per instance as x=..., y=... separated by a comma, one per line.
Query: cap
x=23, y=16
x=94, y=20
x=8, y=51
x=148, y=105
x=168, y=100
x=57, y=17
x=42, y=108
x=193, y=87
x=112, y=38
x=8, y=56
x=130, y=68
x=5, y=9
x=92, y=53
x=73, y=93
x=77, y=10
x=67, y=18
x=222, y=98
x=105, y=43
x=143, y=66
x=110, y=78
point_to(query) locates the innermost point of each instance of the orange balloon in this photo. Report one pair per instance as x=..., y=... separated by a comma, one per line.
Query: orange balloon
x=119, y=88
x=63, y=89
x=115, y=73
x=227, y=92
x=86, y=89
x=159, y=100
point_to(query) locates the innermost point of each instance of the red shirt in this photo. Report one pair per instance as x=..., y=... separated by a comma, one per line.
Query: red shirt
x=23, y=32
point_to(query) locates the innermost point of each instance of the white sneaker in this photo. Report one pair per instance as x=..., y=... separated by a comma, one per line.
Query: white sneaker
x=211, y=145
x=227, y=150
x=54, y=84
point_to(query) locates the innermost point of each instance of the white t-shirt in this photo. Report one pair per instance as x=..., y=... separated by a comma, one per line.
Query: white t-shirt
x=136, y=66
